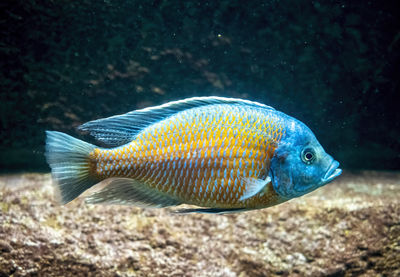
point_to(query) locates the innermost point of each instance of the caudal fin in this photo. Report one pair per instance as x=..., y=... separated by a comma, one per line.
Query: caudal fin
x=68, y=158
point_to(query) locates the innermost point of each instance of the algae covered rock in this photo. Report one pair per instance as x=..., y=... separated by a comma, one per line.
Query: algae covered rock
x=349, y=227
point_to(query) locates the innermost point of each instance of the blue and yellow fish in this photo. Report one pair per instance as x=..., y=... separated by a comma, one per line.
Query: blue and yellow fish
x=224, y=154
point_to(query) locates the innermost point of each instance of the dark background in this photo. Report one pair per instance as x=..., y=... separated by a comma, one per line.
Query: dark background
x=332, y=64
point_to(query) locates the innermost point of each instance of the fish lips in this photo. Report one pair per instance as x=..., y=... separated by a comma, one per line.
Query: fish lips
x=332, y=172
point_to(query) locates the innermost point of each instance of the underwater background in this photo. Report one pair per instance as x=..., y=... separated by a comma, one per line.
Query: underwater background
x=334, y=65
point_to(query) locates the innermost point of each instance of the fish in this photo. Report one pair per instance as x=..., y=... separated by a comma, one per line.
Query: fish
x=220, y=154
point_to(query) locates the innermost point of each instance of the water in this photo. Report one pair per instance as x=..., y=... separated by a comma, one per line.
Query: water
x=332, y=65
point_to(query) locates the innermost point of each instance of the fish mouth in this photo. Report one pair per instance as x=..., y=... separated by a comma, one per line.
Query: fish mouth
x=332, y=172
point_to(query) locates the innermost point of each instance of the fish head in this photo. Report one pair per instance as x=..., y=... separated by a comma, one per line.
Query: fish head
x=300, y=164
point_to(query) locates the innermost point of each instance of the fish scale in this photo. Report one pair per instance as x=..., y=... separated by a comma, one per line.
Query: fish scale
x=197, y=136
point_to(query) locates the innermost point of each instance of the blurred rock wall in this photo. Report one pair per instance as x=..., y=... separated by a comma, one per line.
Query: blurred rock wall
x=333, y=65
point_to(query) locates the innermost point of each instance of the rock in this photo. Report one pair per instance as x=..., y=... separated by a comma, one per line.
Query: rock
x=5, y=246
x=349, y=227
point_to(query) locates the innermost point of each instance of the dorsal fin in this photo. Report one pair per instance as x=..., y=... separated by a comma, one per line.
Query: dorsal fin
x=121, y=129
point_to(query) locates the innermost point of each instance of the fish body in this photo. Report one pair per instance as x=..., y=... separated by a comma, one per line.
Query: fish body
x=221, y=153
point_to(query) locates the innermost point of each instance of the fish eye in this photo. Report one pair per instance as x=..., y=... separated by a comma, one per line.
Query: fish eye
x=308, y=155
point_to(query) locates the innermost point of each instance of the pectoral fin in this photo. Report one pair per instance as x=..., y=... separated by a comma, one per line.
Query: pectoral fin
x=254, y=186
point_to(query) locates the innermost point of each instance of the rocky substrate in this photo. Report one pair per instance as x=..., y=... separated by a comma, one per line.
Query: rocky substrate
x=348, y=228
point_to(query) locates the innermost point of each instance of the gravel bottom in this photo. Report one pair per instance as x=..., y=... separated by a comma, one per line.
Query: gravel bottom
x=348, y=228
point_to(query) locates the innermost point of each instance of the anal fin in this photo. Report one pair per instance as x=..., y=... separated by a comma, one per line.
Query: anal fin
x=124, y=191
x=212, y=210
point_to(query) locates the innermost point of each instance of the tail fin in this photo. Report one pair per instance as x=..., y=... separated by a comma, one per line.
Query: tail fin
x=68, y=158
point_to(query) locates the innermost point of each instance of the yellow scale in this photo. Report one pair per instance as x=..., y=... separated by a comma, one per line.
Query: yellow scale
x=215, y=146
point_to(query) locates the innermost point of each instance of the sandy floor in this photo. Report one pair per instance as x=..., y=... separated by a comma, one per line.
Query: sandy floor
x=348, y=228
